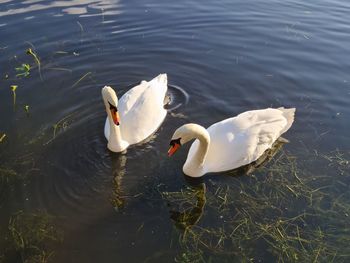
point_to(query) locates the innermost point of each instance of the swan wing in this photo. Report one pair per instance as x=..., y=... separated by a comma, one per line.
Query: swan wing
x=127, y=101
x=142, y=110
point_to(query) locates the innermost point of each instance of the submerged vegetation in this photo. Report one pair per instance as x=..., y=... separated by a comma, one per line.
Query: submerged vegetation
x=79, y=80
x=23, y=71
x=8, y=176
x=2, y=137
x=29, y=237
x=36, y=59
x=282, y=212
x=26, y=108
x=61, y=125
x=13, y=89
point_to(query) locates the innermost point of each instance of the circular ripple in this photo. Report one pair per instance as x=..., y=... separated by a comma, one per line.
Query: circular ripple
x=178, y=97
x=81, y=174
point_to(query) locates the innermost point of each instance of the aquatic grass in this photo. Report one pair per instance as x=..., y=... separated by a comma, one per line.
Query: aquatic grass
x=13, y=89
x=17, y=170
x=61, y=52
x=190, y=257
x=26, y=109
x=44, y=135
x=191, y=205
x=29, y=237
x=338, y=160
x=2, y=137
x=79, y=80
x=24, y=70
x=60, y=69
x=282, y=212
x=8, y=175
x=30, y=52
x=62, y=124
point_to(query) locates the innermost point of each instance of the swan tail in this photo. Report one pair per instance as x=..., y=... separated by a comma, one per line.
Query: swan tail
x=283, y=140
x=163, y=78
x=162, y=83
x=289, y=115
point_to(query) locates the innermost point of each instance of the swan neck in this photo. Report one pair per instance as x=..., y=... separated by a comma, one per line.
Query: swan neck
x=204, y=141
x=115, y=140
x=115, y=136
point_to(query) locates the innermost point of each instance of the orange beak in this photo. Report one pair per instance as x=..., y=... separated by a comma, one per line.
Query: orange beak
x=115, y=116
x=173, y=149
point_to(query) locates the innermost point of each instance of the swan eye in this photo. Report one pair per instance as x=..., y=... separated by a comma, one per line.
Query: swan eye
x=112, y=107
x=176, y=141
x=114, y=113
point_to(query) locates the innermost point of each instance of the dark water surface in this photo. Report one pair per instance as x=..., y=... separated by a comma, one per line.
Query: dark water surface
x=222, y=58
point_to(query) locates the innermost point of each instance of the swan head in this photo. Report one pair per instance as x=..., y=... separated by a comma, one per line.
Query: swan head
x=110, y=100
x=182, y=135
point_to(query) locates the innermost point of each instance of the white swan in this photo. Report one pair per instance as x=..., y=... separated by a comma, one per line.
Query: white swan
x=233, y=142
x=137, y=115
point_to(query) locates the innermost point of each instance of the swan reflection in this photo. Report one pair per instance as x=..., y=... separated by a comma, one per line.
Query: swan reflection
x=118, y=170
x=186, y=207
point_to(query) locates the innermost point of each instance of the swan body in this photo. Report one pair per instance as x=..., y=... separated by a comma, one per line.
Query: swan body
x=137, y=115
x=233, y=142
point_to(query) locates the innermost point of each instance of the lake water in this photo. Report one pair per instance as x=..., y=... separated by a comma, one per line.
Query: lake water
x=222, y=58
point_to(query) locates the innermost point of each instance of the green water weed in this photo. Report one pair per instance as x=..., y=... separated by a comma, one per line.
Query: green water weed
x=29, y=237
x=13, y=89
x=282, y=212
x=23, y=71
x=30, y=52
